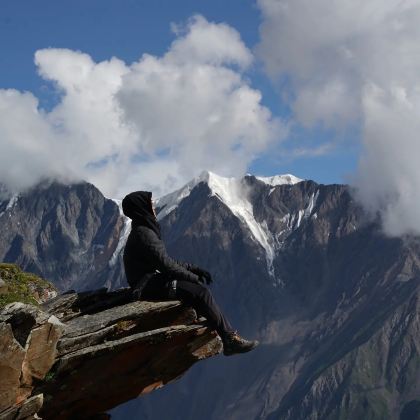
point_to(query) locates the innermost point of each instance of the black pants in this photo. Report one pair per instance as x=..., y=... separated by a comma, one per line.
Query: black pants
x=196, y=295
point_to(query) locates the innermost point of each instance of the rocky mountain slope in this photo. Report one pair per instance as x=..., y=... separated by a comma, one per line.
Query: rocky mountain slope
x=297, y=265
x=300, y=267
x=65, y=234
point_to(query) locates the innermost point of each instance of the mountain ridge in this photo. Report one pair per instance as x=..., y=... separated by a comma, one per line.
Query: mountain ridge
x=340, y=295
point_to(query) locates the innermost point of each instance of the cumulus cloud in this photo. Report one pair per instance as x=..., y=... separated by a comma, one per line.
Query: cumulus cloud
x=356, y=63
x=152, y=124
x=388, y=179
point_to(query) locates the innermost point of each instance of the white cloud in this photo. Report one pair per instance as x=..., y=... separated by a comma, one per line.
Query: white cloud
x=25, y=140
x=388, y=179
x=321, y=150
x=356, y=62
x=198, y=42
x=152, y=124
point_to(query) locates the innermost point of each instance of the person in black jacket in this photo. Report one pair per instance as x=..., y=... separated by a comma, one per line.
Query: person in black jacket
x=154, y=275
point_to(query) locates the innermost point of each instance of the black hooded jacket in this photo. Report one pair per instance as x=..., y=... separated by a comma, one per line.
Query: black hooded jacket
x=145, y=254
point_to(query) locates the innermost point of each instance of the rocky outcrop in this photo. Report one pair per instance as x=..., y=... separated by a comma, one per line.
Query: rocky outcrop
x=82, y=354
x=28, y=348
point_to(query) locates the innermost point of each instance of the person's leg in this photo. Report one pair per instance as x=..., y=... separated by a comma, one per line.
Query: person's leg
x=200, y=298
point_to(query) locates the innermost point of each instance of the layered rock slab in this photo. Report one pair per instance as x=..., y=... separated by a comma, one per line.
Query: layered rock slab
x=105, y=349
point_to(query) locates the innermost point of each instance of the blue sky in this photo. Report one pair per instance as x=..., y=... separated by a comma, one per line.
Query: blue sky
x=328, y=91
x=127, y=29
x=103, y=28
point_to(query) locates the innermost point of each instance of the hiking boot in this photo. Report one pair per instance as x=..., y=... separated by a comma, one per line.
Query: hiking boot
x=233, y=343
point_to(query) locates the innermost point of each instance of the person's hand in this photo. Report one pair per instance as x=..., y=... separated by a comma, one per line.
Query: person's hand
x=205, y=276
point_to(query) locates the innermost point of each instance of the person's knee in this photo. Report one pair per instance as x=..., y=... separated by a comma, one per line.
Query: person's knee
x=204, y=294
x=194, y=293
x=199, y=291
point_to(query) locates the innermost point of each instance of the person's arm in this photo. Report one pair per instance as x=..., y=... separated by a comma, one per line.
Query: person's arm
x=190, y=267
x=156, y=250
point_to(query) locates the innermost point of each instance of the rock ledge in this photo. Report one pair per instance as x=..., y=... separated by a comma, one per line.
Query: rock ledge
x=80, y=355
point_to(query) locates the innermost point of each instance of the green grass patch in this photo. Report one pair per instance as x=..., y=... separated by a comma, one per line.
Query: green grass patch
x=21, y=286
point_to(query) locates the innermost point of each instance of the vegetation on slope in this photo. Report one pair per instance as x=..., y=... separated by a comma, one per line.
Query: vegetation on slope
x=18, y=286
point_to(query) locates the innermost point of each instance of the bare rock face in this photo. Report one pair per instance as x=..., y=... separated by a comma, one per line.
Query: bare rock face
x=28, y=341
x=26, y=410
x=11, y=360
x=64, y=234
x=83, y=354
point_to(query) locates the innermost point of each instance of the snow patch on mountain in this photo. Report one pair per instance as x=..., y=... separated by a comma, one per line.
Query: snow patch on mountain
x=287, y=179
x=307, y=211
x=168, y=203
x=125, y=231
x=13, y=200
x=233, y=192
x=294, y=220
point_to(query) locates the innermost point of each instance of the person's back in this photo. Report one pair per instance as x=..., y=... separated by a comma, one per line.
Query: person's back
x=136, y=263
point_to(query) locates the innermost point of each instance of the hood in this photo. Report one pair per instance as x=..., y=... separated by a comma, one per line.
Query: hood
x=138, y=207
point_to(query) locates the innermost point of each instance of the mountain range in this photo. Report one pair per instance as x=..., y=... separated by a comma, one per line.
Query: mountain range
x=298, y=265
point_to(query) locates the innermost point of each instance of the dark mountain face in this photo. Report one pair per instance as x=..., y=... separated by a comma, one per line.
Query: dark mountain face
x=334, y=303
x=66, y=234
x=336, y=308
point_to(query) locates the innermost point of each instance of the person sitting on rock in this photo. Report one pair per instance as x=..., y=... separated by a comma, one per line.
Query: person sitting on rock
x=154, y=275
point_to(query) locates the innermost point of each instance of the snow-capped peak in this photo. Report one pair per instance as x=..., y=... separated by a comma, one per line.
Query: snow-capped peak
x=224, y=187
x=233, y=193
x=170, y=202
x=219, y=185
x=279, y=179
